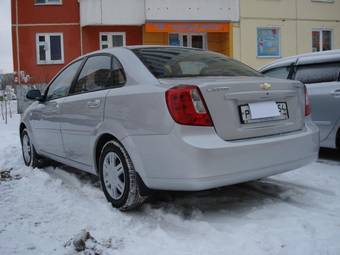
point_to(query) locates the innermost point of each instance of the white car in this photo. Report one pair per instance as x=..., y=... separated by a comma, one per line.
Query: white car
x=168, y=118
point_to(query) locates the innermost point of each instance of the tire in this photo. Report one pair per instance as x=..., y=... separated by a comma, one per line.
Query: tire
x=118, y=177
x=29, y=154
x=337, y=140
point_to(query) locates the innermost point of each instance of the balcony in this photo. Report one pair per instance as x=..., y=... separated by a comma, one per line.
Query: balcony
x=137, y=12
x=192, y=10
x=108, y=12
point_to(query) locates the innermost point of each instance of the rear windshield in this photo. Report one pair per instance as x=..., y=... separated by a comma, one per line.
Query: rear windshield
x=172, y=62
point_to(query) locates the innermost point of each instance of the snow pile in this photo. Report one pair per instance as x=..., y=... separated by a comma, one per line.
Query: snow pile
x=53, y=211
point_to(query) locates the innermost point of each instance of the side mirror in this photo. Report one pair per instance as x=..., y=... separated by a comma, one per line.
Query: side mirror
x=34, y=94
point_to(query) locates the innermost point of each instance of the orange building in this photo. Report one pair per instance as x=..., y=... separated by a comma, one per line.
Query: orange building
x=215, y=36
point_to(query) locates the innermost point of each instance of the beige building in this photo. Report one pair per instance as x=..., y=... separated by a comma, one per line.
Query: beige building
x=270, y=29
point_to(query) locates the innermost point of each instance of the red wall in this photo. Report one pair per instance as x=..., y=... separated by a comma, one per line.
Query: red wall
x=27, y=45
x=57, y=19
x=29, y=13
x=36, y=19
x=134, y=35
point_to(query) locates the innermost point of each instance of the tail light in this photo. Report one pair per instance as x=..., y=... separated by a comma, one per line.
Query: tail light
x=187, y=106
x=308, y=109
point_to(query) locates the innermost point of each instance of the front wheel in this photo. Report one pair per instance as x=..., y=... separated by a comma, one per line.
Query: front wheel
x=118, y=177
x=31, y=158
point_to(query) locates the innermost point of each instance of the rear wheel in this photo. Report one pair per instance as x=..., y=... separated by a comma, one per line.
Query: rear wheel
x=337, y=141
x=31, y=158
x=118, y=177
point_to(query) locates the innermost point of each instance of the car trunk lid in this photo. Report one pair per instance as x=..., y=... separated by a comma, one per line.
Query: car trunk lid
x=232, y=102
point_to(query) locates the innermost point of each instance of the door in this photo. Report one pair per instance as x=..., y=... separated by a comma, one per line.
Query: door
x=192, y=40
x=46, y=118
x=83, y=111
x=324, y=91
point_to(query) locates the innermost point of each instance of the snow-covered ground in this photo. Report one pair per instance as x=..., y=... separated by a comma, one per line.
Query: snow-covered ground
x=48, y=211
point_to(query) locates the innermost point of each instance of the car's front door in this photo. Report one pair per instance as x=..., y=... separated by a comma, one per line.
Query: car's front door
x=46, y=116
x=83, y=110
x=324, y=91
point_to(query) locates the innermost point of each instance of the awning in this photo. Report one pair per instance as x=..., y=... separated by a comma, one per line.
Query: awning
x=187, y=27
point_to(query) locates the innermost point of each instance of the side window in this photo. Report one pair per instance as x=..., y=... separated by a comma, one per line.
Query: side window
x=318, y=73
x=61, y=85
x=280, y=72
x=97, y=74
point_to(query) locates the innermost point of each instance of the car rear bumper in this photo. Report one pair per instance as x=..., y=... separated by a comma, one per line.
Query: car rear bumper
x=195, y=158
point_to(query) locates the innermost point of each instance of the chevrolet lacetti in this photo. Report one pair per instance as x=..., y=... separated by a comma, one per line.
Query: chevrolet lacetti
x=168, y=118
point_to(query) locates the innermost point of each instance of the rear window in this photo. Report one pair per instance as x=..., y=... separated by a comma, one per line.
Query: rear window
x=279, y=72
x=174, y=62
x=318, y=73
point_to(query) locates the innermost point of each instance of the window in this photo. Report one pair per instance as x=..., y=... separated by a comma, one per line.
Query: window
x=194, y=40
x=174, y=62
x=268, y=42
x=47, y=2
x=324, y=1
x=50, y=48
x=317, y=73
x=321, y=39
x=114, y=39
x=97, y=74
x=61, y=85
x=279, y=72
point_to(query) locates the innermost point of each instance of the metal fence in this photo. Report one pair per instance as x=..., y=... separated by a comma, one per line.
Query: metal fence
x=22, y=90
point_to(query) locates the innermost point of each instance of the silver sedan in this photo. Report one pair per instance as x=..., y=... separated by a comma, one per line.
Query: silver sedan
x=168, y=118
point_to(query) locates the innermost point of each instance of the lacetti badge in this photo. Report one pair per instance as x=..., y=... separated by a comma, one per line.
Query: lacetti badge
x=266, y=86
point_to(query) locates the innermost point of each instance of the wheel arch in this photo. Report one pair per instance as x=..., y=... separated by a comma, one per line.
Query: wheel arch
x=128, y=145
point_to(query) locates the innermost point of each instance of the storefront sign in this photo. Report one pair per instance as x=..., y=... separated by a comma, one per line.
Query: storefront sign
x=268, y=42
x=187, y=27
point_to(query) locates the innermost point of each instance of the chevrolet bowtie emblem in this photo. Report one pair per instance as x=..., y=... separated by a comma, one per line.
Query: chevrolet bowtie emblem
x=266, y=86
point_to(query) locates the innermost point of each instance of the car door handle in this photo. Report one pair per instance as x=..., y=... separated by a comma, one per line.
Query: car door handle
x=93, y=103
x=336, y=93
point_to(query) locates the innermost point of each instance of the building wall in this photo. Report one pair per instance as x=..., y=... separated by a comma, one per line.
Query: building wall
x=30, y=13
x=296, y=20
x=134, y=35
x=33, y=19
x=43, y=73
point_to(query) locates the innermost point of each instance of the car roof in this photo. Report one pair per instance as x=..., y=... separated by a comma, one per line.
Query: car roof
x=306, y=58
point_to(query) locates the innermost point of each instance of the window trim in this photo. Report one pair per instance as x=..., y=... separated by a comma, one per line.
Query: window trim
x=48, y=60
x=320, y=30
x=180, y=36
x=109, y=35
x=280, y=39
x=82, y=66
x=47, y=3
x=60, y=72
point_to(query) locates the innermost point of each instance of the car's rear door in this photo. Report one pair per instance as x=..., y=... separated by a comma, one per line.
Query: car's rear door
x=83, y=110
x=45, y=118
x=324, y=90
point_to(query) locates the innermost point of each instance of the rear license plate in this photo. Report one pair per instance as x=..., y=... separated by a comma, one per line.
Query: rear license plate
x=247, y=117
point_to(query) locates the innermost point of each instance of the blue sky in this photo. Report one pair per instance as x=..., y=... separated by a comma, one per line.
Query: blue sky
x=6, y=64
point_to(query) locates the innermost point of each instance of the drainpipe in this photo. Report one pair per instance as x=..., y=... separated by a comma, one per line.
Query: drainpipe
x=17, y=41
x=296, y=28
